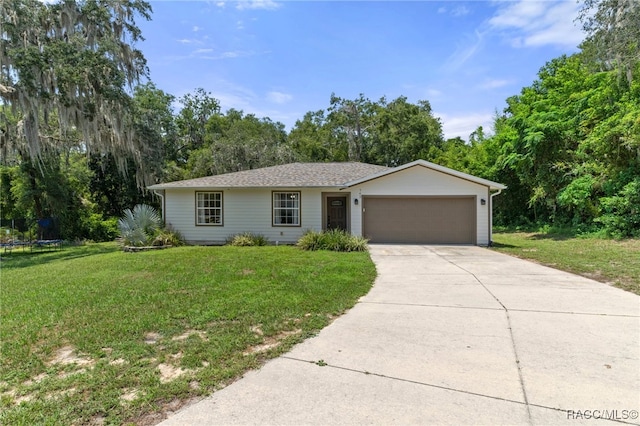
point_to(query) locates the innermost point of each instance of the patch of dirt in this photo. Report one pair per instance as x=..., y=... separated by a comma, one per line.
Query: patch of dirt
x=189, y=333
x=66, y=355
x=152, y=419
x=595, y=275
x=248, y=271
x=271, y=342
x=169, y=372
x=65, y=374
x=17, y=399
x=97, y=421
x=118, y=361
x=129, y=395
x=257, y=330
x=40, y=377
x=152, y=338
x=60, y=393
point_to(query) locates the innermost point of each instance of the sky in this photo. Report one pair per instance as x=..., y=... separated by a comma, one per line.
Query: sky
x=282, y=59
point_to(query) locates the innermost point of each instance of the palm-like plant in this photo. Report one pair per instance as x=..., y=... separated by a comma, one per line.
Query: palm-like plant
x=138, y=226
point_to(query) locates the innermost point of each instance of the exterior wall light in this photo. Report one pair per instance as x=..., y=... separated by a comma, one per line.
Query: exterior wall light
x=483, y=201
x=355, y=201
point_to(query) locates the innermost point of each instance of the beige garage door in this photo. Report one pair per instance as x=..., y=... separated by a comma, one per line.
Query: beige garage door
x=429, y=220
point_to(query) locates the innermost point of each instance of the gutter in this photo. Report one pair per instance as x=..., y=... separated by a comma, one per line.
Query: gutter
x=161, y=195
x=491, y=217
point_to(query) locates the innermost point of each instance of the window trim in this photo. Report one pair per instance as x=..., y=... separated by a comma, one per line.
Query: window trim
x=221, y=208
x=273, y=209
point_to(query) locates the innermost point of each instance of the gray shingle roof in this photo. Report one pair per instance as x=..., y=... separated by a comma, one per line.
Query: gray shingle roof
x=287, y=175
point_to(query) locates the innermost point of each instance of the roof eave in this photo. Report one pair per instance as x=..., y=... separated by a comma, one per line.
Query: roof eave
x=163, y=186
x=432, y=166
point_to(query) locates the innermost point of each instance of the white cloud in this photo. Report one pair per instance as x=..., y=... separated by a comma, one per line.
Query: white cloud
x=220, y=4
x=465, y=51
x=232, y=95
x=209, y=54
x=460, y=11
x=279, y=97
x=240, y=25
x=456, y=11
x=463, y=125
x=188, y=41
x=257, y=4
x=234, y=54
x=522, y=23
x=494, y=84
x=527, y=23
x=196, y=28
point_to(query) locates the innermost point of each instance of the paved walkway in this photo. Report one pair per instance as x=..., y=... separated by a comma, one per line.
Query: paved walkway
x=453, y=335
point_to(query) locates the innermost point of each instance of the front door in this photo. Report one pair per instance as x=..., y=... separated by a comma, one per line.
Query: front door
x=337, y=213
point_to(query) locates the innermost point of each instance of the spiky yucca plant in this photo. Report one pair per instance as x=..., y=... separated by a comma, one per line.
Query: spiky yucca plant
x=138, y=226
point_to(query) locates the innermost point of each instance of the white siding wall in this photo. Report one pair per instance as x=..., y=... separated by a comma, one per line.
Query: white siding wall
x=244, y=210
x=419, y=180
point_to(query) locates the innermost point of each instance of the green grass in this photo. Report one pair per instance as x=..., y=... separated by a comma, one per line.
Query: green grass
x=213, y=312
x=605, y=260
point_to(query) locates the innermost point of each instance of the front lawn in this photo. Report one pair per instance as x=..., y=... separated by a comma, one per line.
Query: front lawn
x=606, y=260
x=92, y=335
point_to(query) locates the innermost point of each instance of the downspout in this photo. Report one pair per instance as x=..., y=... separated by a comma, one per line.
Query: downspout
x=491, y=217
x=161, y=195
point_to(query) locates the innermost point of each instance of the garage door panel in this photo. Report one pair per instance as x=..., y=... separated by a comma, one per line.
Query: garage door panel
x=431, y=220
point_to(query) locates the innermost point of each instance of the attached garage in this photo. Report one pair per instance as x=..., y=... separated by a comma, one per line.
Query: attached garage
x=427, y=220
x=422, y=203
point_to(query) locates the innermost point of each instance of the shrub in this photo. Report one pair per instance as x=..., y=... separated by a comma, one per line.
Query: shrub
x=168, y=237
x=247, y=239
x=96, y=228
x=621, y=216
x=335, y=240
x=139, y=226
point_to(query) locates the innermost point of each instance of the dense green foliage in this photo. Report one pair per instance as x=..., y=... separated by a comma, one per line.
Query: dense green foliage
x=247, y=239
x=89, y=334
x=65, y=70
x=567, y=146
x=333, y=239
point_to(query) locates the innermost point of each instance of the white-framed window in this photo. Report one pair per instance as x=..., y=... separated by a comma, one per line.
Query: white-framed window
x=286, y=208
x=209, y=208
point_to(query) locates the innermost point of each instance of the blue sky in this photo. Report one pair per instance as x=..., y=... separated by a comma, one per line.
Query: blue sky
x=281, y=59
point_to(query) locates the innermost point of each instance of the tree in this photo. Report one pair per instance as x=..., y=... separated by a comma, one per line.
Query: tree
x=568, y=147
x=65, y=68
x=403, y=132
x=238, y=142
x=613, y=33
x=311, y=138
x=197, y=110
x=351, y=122
x=381, y=132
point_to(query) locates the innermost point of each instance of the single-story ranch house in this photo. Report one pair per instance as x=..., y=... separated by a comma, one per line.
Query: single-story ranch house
x=418, y=202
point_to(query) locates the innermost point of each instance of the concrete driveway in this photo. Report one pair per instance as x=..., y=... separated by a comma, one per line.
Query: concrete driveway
x=453, y=335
